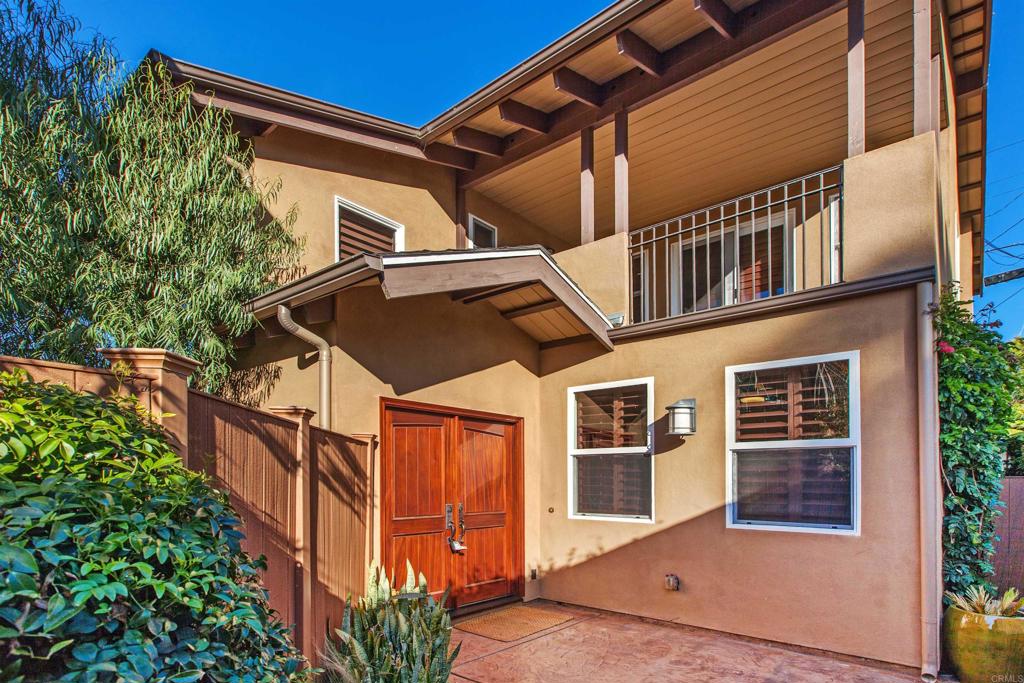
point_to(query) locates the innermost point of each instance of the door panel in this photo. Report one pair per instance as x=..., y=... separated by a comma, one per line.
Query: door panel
x=434, y=457
x=482, y=487
x=417, y=484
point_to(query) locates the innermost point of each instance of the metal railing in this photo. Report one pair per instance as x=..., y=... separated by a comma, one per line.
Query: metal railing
x=775, y=241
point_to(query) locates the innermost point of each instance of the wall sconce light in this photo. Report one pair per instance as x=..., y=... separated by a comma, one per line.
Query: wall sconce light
x=682, y=417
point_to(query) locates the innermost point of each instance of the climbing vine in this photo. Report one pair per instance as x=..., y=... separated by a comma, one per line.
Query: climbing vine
x=978, y=381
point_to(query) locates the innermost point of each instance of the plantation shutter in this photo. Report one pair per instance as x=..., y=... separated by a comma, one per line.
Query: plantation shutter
x=358, y=234
x=612, y=483
x=612, y=418
x=798, y=402
x=796, y=486
x=754, y=271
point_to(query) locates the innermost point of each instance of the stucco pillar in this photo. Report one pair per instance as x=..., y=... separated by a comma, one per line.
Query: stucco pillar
x=169, y=373
x=305, y=558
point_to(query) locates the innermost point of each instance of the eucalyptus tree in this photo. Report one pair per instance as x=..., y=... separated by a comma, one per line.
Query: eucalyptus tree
x=128, y=216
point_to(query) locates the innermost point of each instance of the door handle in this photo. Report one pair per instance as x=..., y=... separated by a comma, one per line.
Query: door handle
x=454, y=544
x=462, y=524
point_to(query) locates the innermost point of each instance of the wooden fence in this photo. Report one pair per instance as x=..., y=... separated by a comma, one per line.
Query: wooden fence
x=1009, y=557
x=303, y=493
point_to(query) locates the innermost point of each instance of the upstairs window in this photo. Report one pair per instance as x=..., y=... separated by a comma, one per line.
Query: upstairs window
x=359, y=230
x=794, y=443
x=611, y=473
x=482, y=235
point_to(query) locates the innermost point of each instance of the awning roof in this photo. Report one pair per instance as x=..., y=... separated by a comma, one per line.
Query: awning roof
x=523, y=283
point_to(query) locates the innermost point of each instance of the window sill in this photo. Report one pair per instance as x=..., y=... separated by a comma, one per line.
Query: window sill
x=794, y=529
x=611, y=518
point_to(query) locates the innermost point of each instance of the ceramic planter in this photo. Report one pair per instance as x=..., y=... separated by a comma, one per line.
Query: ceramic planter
x=983, y=648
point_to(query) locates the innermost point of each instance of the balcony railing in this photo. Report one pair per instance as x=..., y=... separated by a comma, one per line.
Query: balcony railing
x=768, y=243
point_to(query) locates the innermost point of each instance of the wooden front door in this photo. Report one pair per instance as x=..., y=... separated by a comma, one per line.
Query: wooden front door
x=452, y=475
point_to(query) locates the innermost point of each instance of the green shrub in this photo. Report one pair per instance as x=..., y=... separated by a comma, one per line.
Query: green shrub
x=392, y=636
x=978, y=382
x=116, y=562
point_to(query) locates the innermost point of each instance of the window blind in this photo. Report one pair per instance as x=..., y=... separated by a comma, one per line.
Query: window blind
x=797, y=402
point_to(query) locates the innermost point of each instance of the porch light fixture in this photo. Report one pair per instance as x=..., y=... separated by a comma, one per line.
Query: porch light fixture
x=682, y=417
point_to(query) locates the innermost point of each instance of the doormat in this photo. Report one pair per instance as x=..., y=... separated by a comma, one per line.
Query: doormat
x=512, y=623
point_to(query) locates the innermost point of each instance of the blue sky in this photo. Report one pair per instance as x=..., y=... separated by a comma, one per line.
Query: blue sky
x=394, y=59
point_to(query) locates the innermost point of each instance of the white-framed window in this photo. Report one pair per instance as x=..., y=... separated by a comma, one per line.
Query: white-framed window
x=793, y=444
x=481, y=234
x=358, y=230
x=610, y=441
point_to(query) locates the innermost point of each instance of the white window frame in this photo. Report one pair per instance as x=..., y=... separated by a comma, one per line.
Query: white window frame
x=471, y=230
x=573, y=451
x=852, y=441
x=368, y=214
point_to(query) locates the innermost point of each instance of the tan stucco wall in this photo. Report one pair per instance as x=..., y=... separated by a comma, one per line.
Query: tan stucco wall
x=513, y=229
x=890, y=212
x=423, y=349
x=601, y=269
x=856, y=595
x=312, y=170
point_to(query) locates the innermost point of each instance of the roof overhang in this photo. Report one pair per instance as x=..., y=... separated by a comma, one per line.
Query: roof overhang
x=524, y=284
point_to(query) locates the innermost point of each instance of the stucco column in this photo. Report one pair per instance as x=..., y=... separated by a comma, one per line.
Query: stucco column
x=169, y=373
x=305, y=559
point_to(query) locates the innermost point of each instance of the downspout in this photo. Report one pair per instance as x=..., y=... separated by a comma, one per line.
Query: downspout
x=928, y=484
x=323, y=349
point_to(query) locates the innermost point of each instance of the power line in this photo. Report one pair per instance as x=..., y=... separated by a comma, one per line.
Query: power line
x=1009, y=297
x=1012, y=226
x=1009, y=144
x=1005, y=206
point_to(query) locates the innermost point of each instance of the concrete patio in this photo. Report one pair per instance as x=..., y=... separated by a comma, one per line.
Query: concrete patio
x=602, y=647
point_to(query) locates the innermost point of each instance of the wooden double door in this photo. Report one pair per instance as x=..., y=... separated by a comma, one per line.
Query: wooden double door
x=452, y=499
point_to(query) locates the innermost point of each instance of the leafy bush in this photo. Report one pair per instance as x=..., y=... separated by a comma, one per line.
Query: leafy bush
x=116, y=562
x=392, y=637
x=978, y=382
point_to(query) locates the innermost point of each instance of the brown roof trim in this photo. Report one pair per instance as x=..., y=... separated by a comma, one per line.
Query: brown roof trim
x=227, y=84
x=405, y=274
x=779, y=304
x=584, y=36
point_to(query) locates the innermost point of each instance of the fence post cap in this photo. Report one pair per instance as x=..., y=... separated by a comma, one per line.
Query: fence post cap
x=297, y=413
x=144, y=359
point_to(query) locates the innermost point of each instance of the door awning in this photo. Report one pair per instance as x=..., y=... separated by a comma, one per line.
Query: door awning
x=523, y=283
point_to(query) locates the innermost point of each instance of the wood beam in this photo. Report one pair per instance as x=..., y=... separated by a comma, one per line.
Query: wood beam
x=450, y=156
x=639, y=51
x=461, y=218
x=587, y=210
x=478, y=141
x=470, y=296
x=972, y=118
x=622, y=171
x=520, y=114
x=970, y=82
x=578, y=87
x=758, y=26
x=531, y=309
x=922, y=66
x=718, y=15
x=969, y=156
x=963, y=14
x=856, y=93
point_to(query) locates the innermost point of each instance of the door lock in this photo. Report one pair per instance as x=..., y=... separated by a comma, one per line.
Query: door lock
x=455, y=544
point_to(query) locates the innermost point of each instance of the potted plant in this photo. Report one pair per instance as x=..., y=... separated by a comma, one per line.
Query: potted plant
x=984, y=635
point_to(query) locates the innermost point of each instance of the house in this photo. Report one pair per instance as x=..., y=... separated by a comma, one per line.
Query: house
x=732, y=214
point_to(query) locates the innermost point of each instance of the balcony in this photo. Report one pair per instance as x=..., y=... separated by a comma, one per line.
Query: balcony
x=775, y=241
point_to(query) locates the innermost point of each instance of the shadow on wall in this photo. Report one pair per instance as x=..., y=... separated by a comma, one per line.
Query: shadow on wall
x=420, y=342
x=778, y=586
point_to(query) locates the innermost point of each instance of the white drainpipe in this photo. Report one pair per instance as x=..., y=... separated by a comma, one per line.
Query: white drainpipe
x=284, y=316
x=928, y=484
